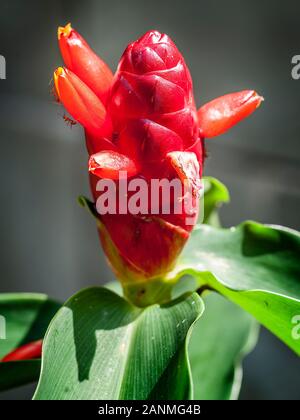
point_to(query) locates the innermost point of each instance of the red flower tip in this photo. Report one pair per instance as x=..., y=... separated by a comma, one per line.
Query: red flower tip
x=27, y=351
x=84, y=62
x=109, y=164
x=219, y=115
x=78, y=99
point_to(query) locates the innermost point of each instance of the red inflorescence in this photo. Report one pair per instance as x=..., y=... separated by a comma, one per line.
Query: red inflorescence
x=142, y=121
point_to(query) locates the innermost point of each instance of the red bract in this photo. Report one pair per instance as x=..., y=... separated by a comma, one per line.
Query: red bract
x=81, y=60
x=143, y=121
x=81, y=102
x=27, y=351
x=221, y=114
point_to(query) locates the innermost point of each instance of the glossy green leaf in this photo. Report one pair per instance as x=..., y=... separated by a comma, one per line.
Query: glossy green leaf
x=220, y=339
x=25, y=318
x=99, y=346
x=215, y=194
x=253, y=265
x=115, y=286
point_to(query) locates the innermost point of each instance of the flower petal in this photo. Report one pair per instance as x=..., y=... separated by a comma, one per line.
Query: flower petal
x=82, y=60
x=219, y=115
x=82, y=103
x=109, y=164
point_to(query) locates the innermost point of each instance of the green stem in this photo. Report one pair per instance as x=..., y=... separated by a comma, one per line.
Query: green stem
x=148, y=293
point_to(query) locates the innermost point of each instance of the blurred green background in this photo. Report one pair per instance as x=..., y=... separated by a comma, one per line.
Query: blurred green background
x=49, y=244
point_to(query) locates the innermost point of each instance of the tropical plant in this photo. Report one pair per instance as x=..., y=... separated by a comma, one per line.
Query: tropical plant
x=184, y=310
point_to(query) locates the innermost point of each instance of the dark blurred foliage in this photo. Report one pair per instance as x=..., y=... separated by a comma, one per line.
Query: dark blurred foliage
x=49, y=244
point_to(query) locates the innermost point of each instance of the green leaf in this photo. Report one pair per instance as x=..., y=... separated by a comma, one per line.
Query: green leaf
x=220, y=339
x=26, y=318
x=215, y=194
x=99, y=346
x=253, y=265
x=114, y=286
x=89, y=205
x=223, y=335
